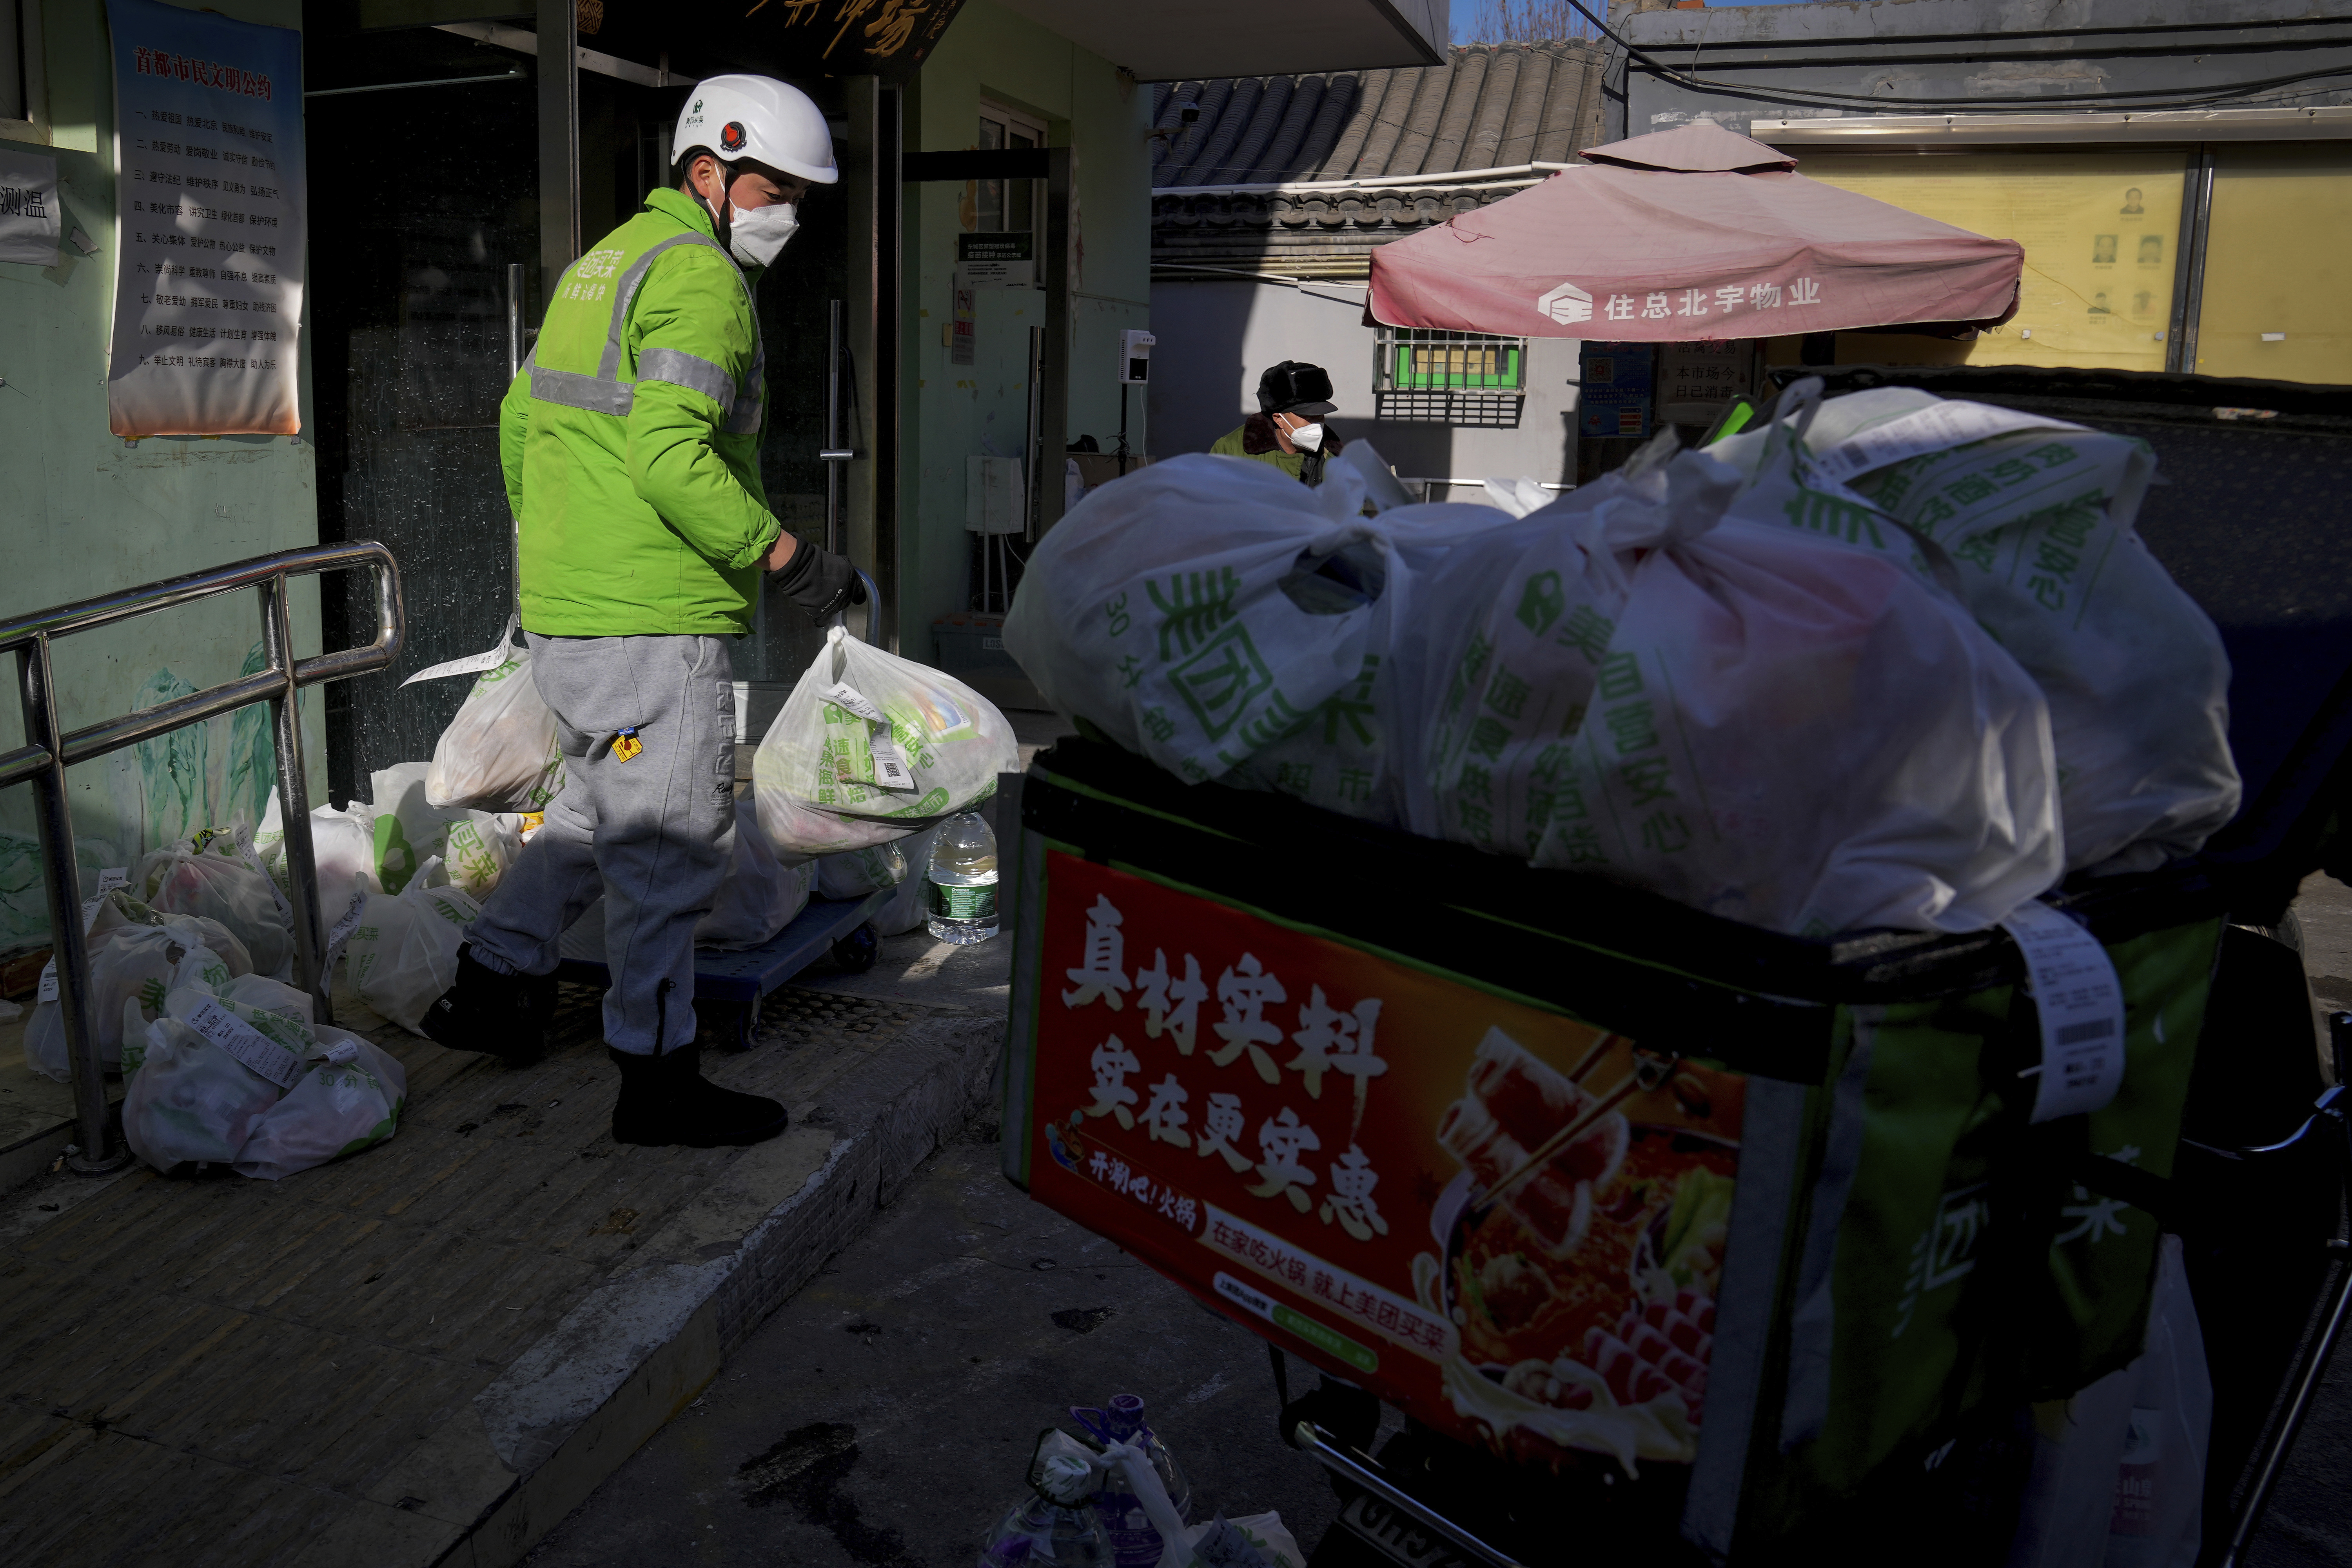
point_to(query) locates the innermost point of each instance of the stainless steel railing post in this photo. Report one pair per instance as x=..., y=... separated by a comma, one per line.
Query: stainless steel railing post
x=49, y=749
x=95, y=1153
x=294, y=799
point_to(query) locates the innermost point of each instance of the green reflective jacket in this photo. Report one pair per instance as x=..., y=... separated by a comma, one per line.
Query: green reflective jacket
x=630, y=440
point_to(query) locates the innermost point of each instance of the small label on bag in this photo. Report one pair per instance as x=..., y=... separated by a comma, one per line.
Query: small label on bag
x=343, y=1051
x=245, y=1043
x=849, y=700
x=111, y=877
x=48, y=991
x=2081, y=1007
x=890, y=770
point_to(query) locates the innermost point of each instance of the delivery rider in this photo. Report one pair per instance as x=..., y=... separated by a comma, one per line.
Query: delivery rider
x=1287, y=430
x=631, y=447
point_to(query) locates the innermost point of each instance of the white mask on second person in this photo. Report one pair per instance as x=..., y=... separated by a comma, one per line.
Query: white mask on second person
x=758, y=233
x=1308, y=437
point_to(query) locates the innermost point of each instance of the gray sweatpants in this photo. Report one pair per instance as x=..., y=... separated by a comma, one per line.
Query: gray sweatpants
x=651, y=832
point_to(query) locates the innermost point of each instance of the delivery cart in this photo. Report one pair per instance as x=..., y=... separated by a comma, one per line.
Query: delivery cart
x=1350, y=1087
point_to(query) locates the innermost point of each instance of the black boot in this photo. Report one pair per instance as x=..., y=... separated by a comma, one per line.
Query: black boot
x=666, y=1099
x=504, y=1015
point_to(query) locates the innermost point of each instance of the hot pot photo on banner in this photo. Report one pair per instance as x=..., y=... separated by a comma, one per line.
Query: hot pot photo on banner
x=1507, y=1223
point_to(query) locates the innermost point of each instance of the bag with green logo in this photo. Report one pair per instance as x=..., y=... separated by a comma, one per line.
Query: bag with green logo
x=499, y=752
x=2028, y=521
x=404, y=952
x=870, y=742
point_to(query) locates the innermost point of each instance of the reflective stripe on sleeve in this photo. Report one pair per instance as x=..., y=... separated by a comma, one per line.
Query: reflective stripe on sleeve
x=573, y=390
x=689, y=371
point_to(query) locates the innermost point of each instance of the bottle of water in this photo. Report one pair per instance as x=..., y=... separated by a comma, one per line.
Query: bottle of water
x=960, y=887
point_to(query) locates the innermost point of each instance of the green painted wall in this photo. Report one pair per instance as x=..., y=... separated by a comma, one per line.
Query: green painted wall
x=84, y=513
x=991, y=53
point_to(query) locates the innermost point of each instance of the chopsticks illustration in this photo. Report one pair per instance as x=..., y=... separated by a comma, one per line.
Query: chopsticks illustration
x=1650, y=1069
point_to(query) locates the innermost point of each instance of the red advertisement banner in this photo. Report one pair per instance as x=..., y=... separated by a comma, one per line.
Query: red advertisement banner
x=1508, y=1222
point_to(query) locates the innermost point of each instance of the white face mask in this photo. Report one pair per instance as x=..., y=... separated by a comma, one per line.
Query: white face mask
x=759, y=232
x=1308, y=437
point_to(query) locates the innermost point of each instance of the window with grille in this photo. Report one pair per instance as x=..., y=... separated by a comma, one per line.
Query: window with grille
x=1449, y=378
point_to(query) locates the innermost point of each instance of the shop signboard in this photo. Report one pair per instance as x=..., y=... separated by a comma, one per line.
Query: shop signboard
x=209, y=224
x=1507, y=1223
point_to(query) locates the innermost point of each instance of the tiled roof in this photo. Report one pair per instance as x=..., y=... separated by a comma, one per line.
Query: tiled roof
x=1491, y=106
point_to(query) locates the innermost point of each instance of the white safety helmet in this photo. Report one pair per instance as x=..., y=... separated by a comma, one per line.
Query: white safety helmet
x=759, y=117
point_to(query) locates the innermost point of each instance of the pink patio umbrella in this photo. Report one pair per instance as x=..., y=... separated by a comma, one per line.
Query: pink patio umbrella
x=1691, y=234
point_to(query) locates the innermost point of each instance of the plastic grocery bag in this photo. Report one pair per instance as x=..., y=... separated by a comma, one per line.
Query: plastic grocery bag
x=499, y=752
x=216, y=883
x=342, y=845
x=404, y=953
x=211, y=1069
x=1518, y=678
x=134, y=955
x=2033, y=519
x=2118, y=1470
x=1361, y=751
x=350, y=1097
x=761, y=892
x=866, y=734
x=2160, y=1483
x=1797, y=734
x=905, y=909
x=1155, y=610
x=480, y=850
x=854, y=873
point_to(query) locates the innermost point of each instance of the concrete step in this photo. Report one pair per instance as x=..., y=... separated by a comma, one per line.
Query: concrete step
x=232, y=1371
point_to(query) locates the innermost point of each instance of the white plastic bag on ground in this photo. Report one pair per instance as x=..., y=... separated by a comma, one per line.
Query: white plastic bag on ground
x=1799, y=735
x=343, y=846
x=499, y=752
x=760, y=893
x=351, y=1100
x=210, y=1070
x=1156, y=611
x=2035, y=518
x=479, y=851
x=907, y=908
x=854, y=873
x=215, y=883
x=869, y=735
x=404, y=953
x=132, y=964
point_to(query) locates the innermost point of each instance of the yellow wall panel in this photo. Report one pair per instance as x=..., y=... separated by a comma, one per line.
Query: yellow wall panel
x=2099, y=230
x=2278, y=264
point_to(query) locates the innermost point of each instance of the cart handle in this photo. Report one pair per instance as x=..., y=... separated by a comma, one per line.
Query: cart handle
x=1363, y=1472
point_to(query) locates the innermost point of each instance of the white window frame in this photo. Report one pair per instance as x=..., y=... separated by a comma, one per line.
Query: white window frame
x=1015, y=120
x=35, y=126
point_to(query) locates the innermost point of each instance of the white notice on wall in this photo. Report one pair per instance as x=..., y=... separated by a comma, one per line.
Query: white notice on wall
x=209, y=204
x=28, y=208
x=2081, y=1007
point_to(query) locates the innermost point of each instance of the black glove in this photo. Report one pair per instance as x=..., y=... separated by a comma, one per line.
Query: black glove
x=821, y=582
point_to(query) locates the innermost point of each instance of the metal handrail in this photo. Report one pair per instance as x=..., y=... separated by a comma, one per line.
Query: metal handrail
x=48, y=751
